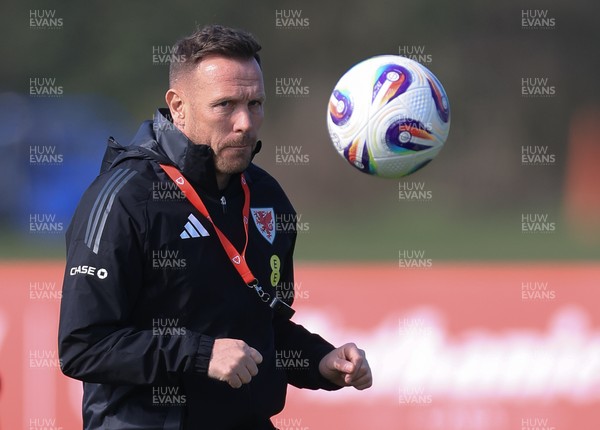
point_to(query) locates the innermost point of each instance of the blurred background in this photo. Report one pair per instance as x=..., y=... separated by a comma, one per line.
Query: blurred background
x=495, y=260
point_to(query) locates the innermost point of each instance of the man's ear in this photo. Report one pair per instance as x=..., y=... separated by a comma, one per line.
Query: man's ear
x=175, y=102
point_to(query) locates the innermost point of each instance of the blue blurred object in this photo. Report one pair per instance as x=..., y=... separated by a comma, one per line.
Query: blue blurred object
x=51, y=149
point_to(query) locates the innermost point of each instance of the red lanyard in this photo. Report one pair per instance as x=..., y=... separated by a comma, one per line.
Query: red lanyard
x=237, y=258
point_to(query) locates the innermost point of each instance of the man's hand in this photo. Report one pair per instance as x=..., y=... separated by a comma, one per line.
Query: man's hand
x=234, y=362
x=347, y=366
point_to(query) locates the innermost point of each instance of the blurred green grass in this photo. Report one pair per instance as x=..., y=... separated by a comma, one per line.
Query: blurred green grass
x=379, y=235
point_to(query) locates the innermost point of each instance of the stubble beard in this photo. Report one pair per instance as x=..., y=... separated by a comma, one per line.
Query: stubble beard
x=229, y=163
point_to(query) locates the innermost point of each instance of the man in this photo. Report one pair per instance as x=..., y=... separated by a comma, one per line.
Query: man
x=170, y=312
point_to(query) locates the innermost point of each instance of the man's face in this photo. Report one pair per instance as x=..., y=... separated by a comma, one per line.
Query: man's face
x=223, y=108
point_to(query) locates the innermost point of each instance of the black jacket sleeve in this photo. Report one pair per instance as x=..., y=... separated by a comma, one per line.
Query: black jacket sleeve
x=293, y=340
x=98, y=341
x=292, y=337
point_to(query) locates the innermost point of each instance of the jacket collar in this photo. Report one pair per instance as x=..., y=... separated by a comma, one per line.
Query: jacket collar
x=167, y=144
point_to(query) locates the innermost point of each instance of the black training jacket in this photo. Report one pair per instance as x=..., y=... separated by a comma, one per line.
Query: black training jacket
x=148, y=288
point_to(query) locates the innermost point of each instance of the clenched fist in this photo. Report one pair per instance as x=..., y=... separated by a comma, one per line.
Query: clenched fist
x=234, y=362
x=347, y=366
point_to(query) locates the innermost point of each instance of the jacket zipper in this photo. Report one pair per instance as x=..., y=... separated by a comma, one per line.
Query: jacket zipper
x=224, y=204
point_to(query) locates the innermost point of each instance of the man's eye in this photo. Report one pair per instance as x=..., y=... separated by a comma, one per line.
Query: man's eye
x=224, y=103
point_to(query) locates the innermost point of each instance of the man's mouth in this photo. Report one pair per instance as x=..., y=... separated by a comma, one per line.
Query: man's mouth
x=238, y=147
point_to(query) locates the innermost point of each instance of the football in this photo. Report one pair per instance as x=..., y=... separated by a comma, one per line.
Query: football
x=388, y=116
